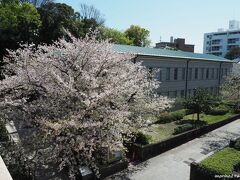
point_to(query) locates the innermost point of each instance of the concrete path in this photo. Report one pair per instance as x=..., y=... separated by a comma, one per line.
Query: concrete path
x=175, y=164
x=4, y=173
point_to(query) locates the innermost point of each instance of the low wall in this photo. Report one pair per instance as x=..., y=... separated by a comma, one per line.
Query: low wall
x=106, y=171
x=198, y=173
x=112, y=169
x=144, y=152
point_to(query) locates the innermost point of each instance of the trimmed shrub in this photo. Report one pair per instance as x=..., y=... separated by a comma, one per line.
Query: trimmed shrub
x=183, y=128
x=219, y=110
x=222, y=162
x=142, y=139
x=166, y=117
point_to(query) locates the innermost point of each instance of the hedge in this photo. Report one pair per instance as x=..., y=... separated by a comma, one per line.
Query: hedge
x=222, y=162
x=183, y=128
x=219, y=110
x=142, y=138
x=167, y=117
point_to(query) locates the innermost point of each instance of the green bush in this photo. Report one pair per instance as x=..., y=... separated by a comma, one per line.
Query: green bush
x=183, y=128
x=237, y=144
x=219, y=110
x=222, y=162
x=142, y=139
x=166, y=117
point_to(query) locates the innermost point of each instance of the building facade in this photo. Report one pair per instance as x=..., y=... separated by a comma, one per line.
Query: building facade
x=178, y=44
x=219, y=43
x=181, y=72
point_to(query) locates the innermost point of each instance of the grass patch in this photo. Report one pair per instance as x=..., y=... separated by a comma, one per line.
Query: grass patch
x=159, y=132
x=222, y=162
x=210, y=119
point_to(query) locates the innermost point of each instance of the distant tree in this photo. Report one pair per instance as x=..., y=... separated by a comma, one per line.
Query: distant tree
x=37, y=3
x=233, y=53
x=56, y=19
x=114, y=35
x=19, y=23
x=199, y=102
x=91, y=18
x=91, y=13
x=138, y=35
x=4, y=2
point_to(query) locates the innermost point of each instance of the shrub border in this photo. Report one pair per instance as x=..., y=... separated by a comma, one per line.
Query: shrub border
x=144, y=152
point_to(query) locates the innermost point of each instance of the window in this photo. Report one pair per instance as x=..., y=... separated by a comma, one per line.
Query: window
x=182, y=93
x=189, y=92
x=233, y=40
x=190, y=74
x=196, y=73
x=226, y=72
x=158, y=74
x=183, y=73
x=175, y=73
x=202, y=73
x=168, y=74
x=216, y=48
x=220, y=34
x=221, y=73
x=175, y=93
x=217, y=74
x=207, y=73
x=212, y=75
x=216, y=41
x=238, y=32
x=232, y=46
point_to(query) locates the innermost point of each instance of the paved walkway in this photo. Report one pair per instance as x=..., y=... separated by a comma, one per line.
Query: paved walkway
x=4, y=174
x=175, y=164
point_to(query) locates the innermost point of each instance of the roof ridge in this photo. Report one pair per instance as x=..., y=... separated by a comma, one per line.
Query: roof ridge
x=151, y=51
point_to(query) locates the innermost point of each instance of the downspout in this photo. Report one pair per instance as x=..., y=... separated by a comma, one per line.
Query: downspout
x=219, y=77
x=186, y=80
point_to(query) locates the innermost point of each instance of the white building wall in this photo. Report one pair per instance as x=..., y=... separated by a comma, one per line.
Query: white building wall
x=219, y=43
x=177, y=87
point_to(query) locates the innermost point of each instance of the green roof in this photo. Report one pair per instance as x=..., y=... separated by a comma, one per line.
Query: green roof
x=166, y=53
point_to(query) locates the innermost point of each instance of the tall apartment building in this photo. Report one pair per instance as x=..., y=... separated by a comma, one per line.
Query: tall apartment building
x=178, y=43
x=219, y=43
x=181, y=72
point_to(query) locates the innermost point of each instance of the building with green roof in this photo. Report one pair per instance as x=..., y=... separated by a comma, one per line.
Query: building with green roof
x=181, y=72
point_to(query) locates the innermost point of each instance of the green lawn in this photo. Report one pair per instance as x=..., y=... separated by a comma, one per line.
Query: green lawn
x=210, y=119
x=159, y=132
x=222, y=162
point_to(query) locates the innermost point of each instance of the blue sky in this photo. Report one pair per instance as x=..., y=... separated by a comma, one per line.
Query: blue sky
x=188, y=19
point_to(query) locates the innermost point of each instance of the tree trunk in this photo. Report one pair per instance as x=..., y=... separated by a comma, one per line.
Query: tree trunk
x=198, y=116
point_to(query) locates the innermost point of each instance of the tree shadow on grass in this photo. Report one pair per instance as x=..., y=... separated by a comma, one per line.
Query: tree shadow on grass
x=127, y=173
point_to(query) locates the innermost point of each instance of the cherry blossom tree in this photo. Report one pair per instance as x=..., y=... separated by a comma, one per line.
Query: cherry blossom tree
x=79, y=98
x=231, y=87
